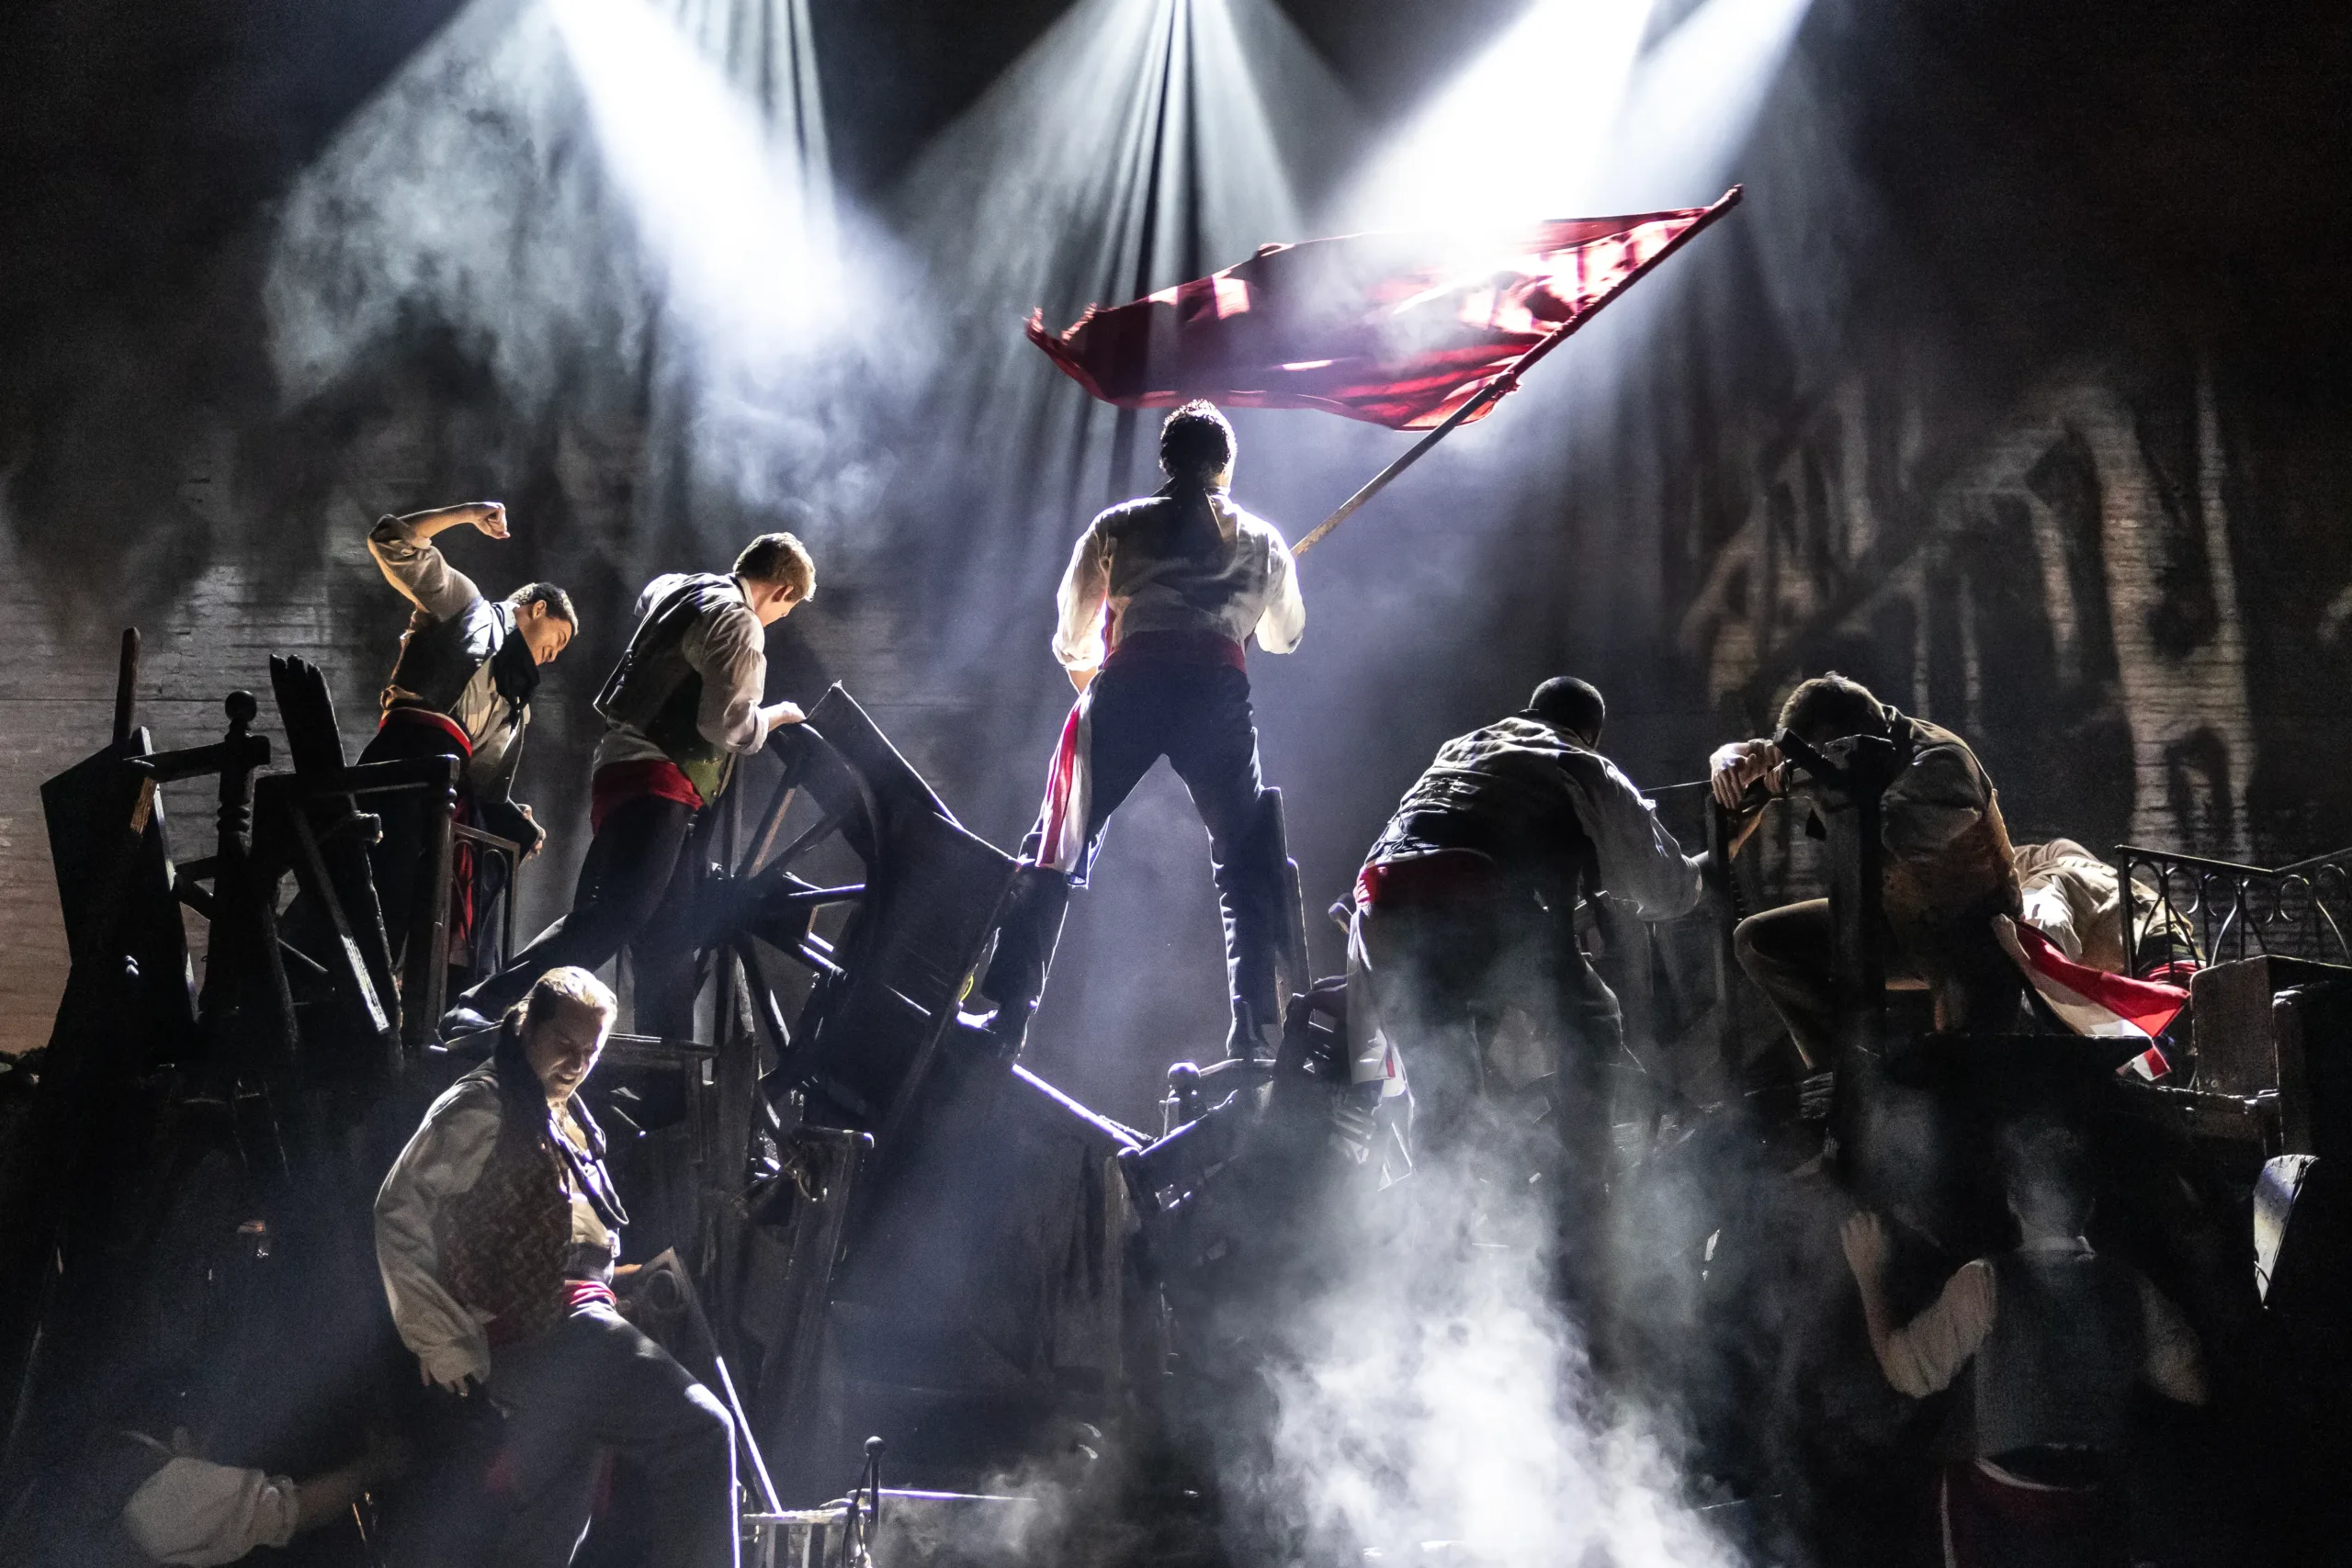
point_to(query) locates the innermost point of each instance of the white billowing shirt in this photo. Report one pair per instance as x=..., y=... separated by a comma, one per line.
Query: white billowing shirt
x=196, y=1512
x=1117, y=566
x=444, y=1159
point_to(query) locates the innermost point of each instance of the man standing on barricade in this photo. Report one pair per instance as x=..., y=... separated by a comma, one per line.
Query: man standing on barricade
x=681, y=705
x=1159, y=598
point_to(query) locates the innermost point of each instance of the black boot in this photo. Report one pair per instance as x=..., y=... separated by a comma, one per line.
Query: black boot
x=1026, y=935
x=1253, y=1036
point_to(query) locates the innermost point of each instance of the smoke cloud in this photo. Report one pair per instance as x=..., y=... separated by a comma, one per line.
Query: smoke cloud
x=1439, y=1407
x=634, y=258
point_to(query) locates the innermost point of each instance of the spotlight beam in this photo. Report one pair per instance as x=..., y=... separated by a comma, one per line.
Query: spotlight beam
x=1180, y=21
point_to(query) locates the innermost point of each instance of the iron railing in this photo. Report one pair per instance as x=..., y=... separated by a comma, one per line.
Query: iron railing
x=2233, y=911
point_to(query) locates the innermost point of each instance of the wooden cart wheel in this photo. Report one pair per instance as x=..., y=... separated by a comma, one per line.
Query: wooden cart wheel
x=778, y=904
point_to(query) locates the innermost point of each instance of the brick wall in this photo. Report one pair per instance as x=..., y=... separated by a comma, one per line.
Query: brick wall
x=57, y=706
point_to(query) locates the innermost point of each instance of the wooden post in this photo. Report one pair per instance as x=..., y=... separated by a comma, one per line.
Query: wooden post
x=126, y=688
x=247, y=1008
x=1722, y=836
x=425, y=976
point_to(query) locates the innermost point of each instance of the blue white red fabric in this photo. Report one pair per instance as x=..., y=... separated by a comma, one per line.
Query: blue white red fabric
x=2093, y=1003
x=1068, y=795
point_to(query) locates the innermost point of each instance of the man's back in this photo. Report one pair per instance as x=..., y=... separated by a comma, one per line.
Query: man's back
x=1947, y=848
x=1161, y=565
x=1523, y=792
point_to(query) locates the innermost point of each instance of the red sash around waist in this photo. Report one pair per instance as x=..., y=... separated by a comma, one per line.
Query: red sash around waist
x=413, y=713
x=618, y=783
x=1441, y=876
x=578, y=1296
x=1178, y=647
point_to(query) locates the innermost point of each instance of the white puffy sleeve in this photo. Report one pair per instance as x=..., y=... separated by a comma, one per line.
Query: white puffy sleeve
x=1085, y=591
x=1284, y=620
x=196, y=1512
x=442, y=1161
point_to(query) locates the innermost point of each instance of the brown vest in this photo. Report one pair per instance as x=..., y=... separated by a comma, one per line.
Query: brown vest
x=505, y=1242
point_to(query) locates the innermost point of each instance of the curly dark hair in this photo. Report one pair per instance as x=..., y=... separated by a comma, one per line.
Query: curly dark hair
x=1195, y=442
x=557, y=602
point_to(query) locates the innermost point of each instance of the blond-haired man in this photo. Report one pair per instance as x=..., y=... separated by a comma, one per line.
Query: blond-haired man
x=685, y=701
x=496, y=1233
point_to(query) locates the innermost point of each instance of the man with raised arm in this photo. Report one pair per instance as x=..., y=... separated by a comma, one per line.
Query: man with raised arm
x=685, y=702
x=461, y=687
x=1160, y=596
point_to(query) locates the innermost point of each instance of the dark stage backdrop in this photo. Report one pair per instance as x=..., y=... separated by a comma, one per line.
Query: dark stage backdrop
x=2017, y=389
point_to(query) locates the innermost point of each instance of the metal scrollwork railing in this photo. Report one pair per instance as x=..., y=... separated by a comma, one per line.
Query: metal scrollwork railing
x=2227, y=911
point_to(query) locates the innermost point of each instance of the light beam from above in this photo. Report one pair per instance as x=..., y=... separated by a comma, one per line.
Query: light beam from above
x=1519, y=136
x=1132, y=145
x=730, y=211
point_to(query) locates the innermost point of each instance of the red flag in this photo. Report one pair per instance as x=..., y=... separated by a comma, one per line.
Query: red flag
x=1400, y=329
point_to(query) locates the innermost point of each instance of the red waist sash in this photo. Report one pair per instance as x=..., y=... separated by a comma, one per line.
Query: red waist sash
x=1178, y=647
x=618, y=783
x=1441, y=876
x=578, y=1296
x=412, y=714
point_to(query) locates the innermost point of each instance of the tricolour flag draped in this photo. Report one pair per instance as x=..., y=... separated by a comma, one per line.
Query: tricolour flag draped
x=2092, y=1001
x=1395, y=329
x=1061, y=823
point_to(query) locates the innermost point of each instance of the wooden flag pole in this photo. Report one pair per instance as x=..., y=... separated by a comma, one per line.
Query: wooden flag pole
x=1509, y=379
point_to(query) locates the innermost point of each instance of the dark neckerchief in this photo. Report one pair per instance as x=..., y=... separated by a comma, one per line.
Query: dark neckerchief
x=513, y=671
x=526, y=1097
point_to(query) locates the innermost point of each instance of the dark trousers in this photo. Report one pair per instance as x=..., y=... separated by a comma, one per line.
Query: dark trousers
x=1791, y=951
x=594, y=1381
x=1198, y=717
x=1442, y=977
x=635, y=890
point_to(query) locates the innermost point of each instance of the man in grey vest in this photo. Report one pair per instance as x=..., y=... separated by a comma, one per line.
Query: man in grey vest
x=681, y=705
x=1160, y=596
x=461, y=687
x=2060, y=1337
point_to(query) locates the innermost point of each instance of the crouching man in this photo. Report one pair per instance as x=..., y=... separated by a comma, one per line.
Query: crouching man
x=496, y=1236
x=130, y=1497
x=1949, y=869
x=1464, y=911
